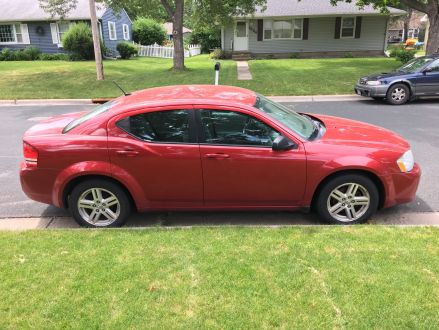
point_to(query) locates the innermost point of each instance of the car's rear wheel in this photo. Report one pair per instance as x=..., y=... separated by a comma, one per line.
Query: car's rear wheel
x=99, y=203
x=347, y=199
x=398, y=94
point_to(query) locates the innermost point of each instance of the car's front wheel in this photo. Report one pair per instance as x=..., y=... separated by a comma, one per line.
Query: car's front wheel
x=398, y=94
x=347, y=199
x=99, y=203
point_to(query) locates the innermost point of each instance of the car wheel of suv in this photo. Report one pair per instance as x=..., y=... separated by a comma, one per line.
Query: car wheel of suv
x=347, y=199
x=99, y=203
x=398, y=94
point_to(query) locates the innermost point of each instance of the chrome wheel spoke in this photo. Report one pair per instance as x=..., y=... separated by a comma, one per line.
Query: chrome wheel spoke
x=337, y=208
x=97, y=194
x=86, y=204
x=352, y=189
x=109, y=214
x=361, y=200
x=94, y=216
x=350, y=213
x=338, y=195
x=110, y=201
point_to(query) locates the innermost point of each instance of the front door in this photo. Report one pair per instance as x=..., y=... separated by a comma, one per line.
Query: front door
x=239, y=166
x=241, y=36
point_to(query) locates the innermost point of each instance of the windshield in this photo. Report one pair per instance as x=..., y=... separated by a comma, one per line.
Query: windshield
x=415, y=64
x=89, y=115
x=296, y=122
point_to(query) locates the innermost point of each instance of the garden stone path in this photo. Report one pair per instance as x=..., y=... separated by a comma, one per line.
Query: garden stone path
x=243, y=70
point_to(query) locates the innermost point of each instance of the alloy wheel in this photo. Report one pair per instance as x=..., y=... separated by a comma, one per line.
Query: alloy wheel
x=98, y=207
x=348, y=202
x=398, y=94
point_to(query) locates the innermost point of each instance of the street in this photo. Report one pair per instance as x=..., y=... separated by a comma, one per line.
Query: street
x=417, y=122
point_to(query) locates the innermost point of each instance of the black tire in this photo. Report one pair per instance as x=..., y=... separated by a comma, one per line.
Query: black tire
x=398, y=94
x=322, y=202
x=120, y=210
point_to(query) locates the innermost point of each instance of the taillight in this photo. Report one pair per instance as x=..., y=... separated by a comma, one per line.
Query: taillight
x=30, y=154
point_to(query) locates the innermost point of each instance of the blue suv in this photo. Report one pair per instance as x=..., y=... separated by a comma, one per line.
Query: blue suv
x=419, y=77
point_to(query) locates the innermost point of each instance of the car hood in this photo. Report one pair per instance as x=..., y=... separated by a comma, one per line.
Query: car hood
x=384, y=75
x=355, y=133
x=53, y=125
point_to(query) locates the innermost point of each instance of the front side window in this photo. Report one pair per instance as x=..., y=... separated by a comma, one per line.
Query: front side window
x=161, y=126
x=283, y=29
x=347, y=27
x=234, y=128
x=10, y=34
x=434, y=67
x=112, y=31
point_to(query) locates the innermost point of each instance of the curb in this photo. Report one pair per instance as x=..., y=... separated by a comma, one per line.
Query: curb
x=301, y=98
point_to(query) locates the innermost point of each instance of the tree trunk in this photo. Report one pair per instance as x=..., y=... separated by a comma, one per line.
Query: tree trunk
x=433, y=34
x=96, y=41
x=407, y=24
x=177, y=32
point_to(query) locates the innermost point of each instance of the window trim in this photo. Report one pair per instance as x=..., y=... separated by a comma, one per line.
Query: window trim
x=14, y=32
x=201, y=133
x=353, y=30
x=111, y=23
x=292, y=19
x=126, y=33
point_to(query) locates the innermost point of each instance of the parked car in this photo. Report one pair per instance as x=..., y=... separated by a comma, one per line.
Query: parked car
x=419, y=77
x=213, y=148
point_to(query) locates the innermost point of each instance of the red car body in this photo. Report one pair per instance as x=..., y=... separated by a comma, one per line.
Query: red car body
x=192, y=176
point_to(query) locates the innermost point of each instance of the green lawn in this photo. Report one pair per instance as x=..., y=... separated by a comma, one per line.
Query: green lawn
x=362, y=277
x=40, y=79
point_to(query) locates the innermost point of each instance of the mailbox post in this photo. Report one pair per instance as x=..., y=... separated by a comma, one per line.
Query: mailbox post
x=217, y=69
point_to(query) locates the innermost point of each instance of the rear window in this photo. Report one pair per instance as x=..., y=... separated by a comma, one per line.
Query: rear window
x=89, y=115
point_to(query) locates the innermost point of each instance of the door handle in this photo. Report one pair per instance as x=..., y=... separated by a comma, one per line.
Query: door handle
x=217, y=156
x=127, y=153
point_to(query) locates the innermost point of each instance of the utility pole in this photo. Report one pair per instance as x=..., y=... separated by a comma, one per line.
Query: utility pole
x=96, y=41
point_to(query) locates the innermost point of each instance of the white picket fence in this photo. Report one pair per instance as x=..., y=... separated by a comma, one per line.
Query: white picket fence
x=165, y=51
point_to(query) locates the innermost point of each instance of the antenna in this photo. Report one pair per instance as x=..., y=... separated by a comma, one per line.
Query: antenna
x=118, y=86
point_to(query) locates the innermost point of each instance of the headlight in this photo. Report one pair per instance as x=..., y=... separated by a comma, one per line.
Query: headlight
x=373, y=82
x=406, y=161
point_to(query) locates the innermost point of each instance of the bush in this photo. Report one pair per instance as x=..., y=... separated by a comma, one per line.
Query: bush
x=146, y=32
x=208, y=39
x=217, y=54
x=54, y=57
x=33, y=52
x=403, y=55
x=126, y=50
x=348, y=55
x=6, y=55
x=79, y=41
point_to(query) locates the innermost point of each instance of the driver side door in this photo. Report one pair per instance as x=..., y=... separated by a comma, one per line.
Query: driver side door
x=239, y=166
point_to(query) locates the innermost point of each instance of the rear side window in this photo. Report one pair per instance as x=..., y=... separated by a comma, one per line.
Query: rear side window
x=89, y=115
x=161, y=126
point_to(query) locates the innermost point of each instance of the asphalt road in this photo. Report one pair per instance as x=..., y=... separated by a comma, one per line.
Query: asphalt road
x=418, y=122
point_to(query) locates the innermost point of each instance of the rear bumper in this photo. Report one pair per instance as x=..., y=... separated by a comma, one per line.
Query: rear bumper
x=371, y=91
x=37, y=183
x=404, y=187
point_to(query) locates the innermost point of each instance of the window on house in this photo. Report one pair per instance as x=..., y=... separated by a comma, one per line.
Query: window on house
x=283, y=29
x=112, y=30
x=126, y=32
x=347, y=27
x=11, y=33
x=62, y=28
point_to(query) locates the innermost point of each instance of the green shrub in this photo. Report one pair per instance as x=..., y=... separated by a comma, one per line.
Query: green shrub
x=79, y=41
x=147, y=32
x=208, y=39
x=348, y=55
x=54, y=57
x=21, y=55
x=126, y=50
x=33, y=52
x=294, y=55
x=393, y=49
x=217, y=54
x=6, y=55
x=403, y=55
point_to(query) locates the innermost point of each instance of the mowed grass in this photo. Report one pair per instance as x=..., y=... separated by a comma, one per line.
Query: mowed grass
x=59, y=79
x=362, y=277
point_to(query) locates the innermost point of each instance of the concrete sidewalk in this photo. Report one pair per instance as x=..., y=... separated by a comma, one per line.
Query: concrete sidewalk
x=303, y=98
x=187, y=220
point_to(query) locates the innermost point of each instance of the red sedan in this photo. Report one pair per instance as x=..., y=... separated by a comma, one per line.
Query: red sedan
x=213, y=148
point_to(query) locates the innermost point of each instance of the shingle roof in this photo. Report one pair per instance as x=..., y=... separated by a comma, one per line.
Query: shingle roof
x=315, y=8
x=30, y=10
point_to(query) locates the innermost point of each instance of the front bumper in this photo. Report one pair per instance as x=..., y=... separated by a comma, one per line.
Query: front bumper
x=404, y=186
x=371, y=91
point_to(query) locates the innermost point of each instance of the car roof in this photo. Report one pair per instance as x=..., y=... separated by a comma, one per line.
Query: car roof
x=185, y=94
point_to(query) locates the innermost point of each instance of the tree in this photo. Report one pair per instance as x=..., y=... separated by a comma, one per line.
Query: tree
x=429, y=7
x=61, y=8
x=147, y=31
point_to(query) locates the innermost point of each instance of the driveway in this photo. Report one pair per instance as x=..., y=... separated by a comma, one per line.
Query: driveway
x=417, y=122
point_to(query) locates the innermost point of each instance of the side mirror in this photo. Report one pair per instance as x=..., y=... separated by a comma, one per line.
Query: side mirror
x=427, y=70
x=281, y=143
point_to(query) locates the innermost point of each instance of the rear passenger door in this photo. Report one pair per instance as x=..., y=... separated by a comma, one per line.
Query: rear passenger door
x=157, y=148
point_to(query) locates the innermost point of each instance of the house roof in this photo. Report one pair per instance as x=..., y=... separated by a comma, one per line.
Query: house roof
x=276, y=8
x=169, y=27
x=30, y=10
